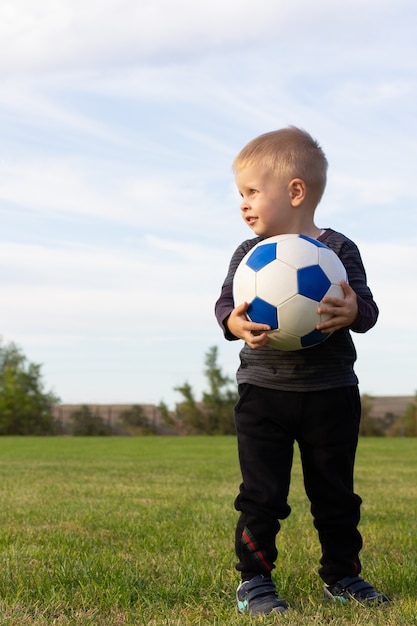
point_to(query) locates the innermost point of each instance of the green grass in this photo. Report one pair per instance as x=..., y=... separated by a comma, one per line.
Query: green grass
x=123, y=531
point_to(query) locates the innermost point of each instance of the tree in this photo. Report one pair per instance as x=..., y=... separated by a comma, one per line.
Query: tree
x=25, y=407
x=169, y=418
x=406, y=425
x=220, y=400
x=189, y=414
x=135, y=421
x=85, y=423
x=214, y=413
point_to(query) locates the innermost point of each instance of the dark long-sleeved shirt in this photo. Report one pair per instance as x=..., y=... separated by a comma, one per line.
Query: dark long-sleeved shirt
x=327, y=365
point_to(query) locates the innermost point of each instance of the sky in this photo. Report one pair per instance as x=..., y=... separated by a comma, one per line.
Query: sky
x=119, y=121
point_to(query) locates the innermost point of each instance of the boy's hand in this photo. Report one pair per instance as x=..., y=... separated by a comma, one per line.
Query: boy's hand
x=344, y=311
x=254, y=334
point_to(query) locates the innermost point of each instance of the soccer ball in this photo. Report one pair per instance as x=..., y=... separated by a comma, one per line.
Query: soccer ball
x=284, y=280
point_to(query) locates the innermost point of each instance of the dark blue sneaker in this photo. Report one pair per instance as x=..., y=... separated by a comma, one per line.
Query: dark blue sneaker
x=258, y=596
x=354, y=588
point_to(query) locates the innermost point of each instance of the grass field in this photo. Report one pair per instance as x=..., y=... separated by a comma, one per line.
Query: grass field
x=123, y=531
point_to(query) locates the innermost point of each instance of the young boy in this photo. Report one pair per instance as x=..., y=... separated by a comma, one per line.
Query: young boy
x=310, y=396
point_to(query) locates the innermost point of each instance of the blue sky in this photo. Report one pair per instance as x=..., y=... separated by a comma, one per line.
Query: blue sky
x=119, y=122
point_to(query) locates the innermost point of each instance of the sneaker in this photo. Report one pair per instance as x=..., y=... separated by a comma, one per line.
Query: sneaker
x=258, y=596
x=356, y=588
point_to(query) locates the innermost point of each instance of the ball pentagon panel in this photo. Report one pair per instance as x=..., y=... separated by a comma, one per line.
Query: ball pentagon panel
x=263, y=312
x=261, y=256
x=312, y=282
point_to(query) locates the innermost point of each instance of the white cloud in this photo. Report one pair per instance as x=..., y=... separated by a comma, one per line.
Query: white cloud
x=87, y=188
x=31, y=101
x=79, y=289
x=65, y=33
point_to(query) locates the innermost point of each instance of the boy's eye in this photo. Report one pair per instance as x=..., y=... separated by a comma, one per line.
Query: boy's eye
x=249, y=192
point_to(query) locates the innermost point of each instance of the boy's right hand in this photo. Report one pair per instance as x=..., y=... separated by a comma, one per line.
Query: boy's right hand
x=240, y=326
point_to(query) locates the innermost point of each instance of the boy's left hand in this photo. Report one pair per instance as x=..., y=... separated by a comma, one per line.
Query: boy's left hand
x=343, y=311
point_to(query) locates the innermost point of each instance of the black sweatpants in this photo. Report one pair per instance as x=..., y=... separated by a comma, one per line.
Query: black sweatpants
x=325, y=425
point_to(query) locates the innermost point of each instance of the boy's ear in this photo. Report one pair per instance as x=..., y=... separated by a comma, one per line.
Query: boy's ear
x=298, y=190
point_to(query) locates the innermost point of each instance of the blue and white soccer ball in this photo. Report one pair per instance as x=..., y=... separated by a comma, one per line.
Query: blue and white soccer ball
x=284, y=280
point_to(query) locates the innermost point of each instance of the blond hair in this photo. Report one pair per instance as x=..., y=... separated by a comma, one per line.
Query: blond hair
x=288, y=153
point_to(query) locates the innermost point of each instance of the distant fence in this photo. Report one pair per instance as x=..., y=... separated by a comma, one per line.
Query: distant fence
x=384, y=408
x=109, y=413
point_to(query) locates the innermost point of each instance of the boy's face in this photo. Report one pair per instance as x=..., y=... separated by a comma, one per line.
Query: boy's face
x=266, y=201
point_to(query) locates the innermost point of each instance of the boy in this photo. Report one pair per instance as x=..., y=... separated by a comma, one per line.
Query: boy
x=310, y=396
